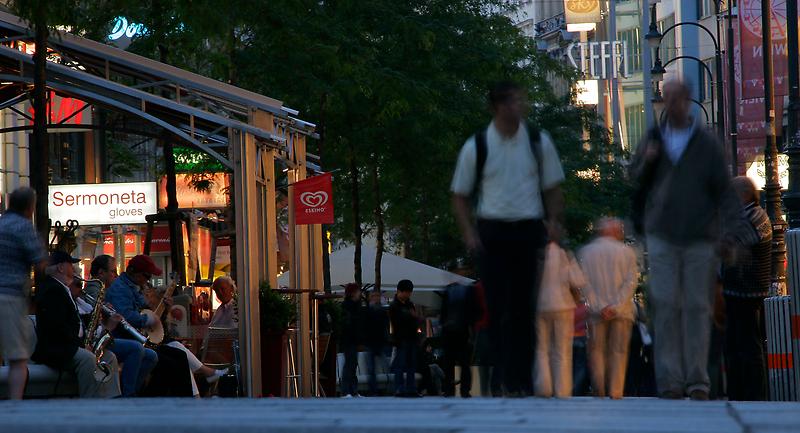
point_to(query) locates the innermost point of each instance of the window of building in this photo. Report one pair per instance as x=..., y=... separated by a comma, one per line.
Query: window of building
x=633, y=41
x=634, y=124
x=705, y=85
x=704, y=8
x=668, y=43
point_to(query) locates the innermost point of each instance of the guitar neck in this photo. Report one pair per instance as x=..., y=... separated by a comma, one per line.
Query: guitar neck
x=167, y=293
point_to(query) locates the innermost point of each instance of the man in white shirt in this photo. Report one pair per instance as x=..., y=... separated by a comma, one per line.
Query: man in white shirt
x=226, y=315
x=516, y=182
x=612, y=274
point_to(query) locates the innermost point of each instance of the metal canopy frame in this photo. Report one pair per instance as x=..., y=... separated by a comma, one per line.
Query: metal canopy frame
x=253, y=130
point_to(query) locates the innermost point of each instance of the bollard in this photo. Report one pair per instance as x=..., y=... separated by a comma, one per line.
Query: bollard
x=780, y=363
x=793, y=281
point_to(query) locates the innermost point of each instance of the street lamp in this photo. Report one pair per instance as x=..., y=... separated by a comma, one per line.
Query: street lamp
x=658, y=70
x=654, y=38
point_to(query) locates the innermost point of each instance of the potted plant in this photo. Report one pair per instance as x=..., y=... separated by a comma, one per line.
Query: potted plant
x=276, y=315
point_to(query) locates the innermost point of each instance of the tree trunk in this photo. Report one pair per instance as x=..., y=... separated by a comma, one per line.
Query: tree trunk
x=378, y=222
x=326, y=258
x=356, y=217
x=376, y=189
x=39, y=164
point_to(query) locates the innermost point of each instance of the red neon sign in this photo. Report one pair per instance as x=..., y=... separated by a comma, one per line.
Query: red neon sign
x=61, y=109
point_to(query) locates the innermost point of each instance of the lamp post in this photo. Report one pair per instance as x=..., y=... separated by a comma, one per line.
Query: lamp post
x=733, y=125
x=773, y=186
x=658, y=71
x=791, y=199
x=654, y=38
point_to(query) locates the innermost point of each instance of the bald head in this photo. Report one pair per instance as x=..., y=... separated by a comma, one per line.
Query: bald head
x=610, y=227
x=676, y=103
x=224, y=288
x=745, y=189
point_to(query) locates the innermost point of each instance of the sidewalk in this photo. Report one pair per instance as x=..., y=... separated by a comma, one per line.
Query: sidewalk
x=436, y=415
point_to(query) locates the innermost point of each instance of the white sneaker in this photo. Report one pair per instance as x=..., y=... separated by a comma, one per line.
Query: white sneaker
x=348, y=396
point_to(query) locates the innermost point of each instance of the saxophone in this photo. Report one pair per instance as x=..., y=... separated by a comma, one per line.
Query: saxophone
x=97, y=345
x=134, y=333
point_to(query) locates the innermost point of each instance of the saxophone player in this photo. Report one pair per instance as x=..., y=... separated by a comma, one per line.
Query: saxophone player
x=138, y=360
x=61, y=333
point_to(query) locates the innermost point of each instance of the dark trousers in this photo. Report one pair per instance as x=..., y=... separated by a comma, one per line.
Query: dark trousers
x=170, y=377
x=457, y=351
x=405, y=367
x=509, y=270
x=580, y=367
x=349, y=379
x=744, y=349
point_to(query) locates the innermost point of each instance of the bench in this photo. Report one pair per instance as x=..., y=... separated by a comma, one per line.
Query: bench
x=42, y=381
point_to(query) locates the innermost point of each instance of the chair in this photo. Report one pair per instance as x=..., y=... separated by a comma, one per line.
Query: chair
x=217, y=350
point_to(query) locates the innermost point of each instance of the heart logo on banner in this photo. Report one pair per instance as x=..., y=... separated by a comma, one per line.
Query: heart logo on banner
x=314, y=199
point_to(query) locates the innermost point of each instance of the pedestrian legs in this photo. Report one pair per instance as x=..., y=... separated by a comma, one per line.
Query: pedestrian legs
x=744, y=349
x=554, y=354
x=375, y=356
x=666, y=294
x=349, y=379
x=597, y=356
x=405, y=368
x=699, y=265
x=618, y=346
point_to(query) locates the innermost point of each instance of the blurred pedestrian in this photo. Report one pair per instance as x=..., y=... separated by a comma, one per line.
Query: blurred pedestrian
x=513, y=173
x=405, y=322
x=352, y=336
x=612, y=275
x=561, y=280
x=580, y=357
x=683, y=200
x=746, y=281
x=377, y=337
x=22, y=249
x=460, y=311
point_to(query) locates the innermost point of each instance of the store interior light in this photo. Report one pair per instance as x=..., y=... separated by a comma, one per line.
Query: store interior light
x=588, y=92
x=581, y=27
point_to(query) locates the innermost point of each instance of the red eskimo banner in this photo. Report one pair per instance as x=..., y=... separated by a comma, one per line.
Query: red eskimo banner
x=313, y=200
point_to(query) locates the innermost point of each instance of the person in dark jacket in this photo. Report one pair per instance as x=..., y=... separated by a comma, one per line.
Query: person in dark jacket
x=376, y=338
x=352, y=337
x=746, y=280
x=688, y=211
x=61, y=334
x=405, y=325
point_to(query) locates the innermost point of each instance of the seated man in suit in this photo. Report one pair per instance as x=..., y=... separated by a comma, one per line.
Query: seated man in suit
x=61, y=333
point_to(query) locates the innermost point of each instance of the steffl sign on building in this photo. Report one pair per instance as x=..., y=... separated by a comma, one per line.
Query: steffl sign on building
x=102, y=203
x=600, y=60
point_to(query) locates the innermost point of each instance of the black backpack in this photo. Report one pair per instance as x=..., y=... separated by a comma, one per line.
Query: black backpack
x=481, y=151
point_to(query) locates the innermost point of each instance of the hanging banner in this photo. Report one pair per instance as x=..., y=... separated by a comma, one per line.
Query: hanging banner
x=313, y=200
x=582, y=11
x=752, y=51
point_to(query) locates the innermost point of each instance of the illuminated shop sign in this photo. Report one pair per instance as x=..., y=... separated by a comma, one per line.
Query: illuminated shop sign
x=102, y=203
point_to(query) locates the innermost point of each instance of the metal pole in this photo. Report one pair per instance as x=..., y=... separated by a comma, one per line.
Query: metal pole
x=613, y=80
x=773, y=186
x=734, y=127
x=647, y=61
x=720, y=87
x=792, y=197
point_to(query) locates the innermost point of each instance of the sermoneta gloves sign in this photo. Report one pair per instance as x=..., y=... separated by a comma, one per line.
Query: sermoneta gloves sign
x=102, y=203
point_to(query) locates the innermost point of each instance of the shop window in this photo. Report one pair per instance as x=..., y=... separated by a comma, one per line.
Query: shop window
x=634, y=124
x=705, y=85
x=67, y=157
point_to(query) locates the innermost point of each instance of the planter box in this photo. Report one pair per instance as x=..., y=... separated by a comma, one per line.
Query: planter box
x=274, y=346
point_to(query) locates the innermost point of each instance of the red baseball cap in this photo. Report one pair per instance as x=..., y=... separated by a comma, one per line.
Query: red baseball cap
x=143, y=263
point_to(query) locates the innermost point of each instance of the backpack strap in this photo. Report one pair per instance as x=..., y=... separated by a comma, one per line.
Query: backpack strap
x=481, y=151
x=480, y=162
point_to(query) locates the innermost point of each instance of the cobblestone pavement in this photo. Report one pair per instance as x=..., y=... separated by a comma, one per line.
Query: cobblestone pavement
x=379, y=415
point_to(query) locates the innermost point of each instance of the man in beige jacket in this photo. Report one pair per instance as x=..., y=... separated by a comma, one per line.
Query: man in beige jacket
x=612, y=274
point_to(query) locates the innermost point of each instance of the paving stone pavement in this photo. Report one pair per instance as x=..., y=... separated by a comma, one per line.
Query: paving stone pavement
x=389, y=415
